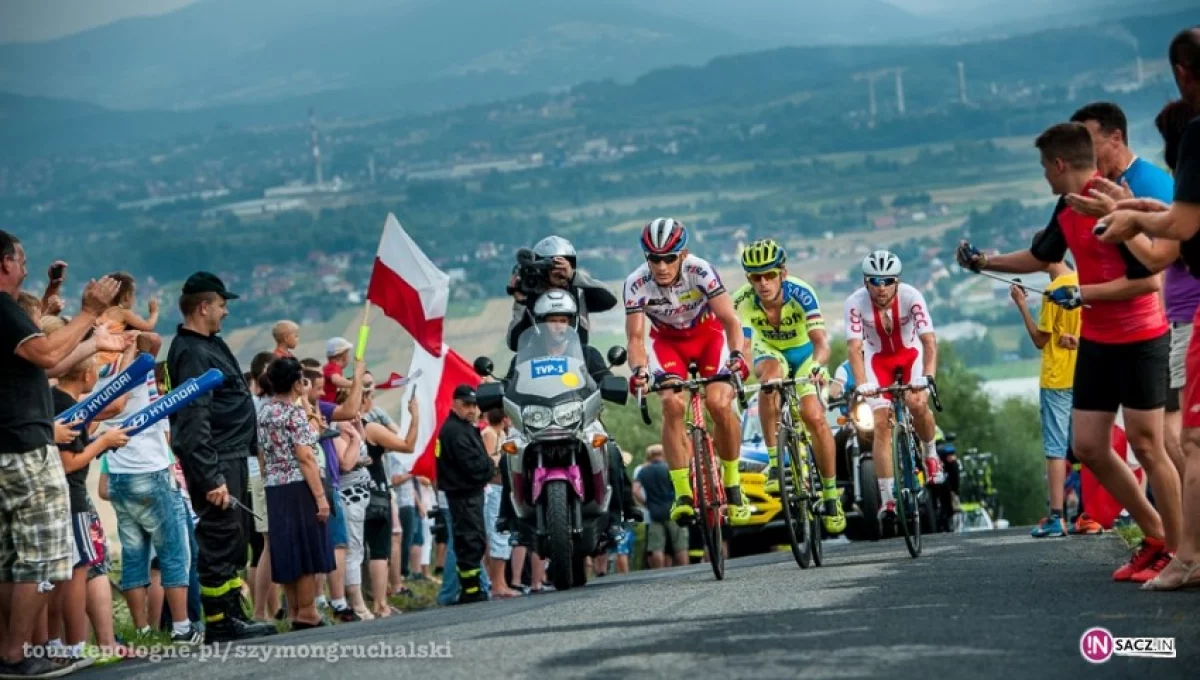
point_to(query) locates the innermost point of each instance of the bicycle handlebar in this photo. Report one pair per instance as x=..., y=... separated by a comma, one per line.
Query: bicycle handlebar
x=930, y=385
x=677, y=385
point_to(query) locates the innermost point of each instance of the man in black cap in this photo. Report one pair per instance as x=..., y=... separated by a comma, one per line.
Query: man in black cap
x=213, y=437
x=463, y=472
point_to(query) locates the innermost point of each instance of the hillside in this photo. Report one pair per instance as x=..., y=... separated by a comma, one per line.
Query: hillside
x=370, y=57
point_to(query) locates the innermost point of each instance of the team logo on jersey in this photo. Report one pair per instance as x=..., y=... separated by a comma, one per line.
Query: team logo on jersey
x=920, y=319
x=689, y=296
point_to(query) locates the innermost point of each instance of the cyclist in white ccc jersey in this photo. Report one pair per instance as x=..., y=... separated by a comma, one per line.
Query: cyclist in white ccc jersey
x=887, y=328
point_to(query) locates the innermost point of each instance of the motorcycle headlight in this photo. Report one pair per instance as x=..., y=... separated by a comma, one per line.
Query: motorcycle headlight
x=536, y=417
x=568, y=414
x=864, y=417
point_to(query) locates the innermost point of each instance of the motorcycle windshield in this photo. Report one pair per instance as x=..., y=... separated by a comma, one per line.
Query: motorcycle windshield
x=550, y=362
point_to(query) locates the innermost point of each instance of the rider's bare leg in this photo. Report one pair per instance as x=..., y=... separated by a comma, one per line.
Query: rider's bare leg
x=881, y=453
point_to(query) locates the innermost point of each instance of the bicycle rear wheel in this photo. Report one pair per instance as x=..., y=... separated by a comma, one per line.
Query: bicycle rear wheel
x=708, y=502
x=908, y=501
x=794, y=500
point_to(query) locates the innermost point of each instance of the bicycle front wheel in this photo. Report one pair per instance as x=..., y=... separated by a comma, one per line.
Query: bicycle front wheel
x=908, y=503
x=708, y=502
x=794, y=500
x=814, y=501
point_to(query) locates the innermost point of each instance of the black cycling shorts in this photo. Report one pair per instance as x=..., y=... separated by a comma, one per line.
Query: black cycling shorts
x=1172, y=395
x=1132, y=375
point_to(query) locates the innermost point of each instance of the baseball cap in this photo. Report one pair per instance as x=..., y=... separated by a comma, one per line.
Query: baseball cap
x=336, y=346
x=206, y=282
x=465, y=394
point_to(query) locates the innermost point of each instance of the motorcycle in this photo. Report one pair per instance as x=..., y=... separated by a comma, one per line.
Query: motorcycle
x=558, y=458
x=861, y=491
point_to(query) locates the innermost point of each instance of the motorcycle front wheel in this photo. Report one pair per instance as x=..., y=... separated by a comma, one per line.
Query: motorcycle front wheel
x=558, y=528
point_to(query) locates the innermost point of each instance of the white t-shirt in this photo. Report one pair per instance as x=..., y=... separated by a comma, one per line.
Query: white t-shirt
x=679, y=307
x=402, y=464
x=146, y=451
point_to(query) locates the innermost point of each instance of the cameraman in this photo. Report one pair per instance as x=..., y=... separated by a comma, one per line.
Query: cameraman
x=533, y=278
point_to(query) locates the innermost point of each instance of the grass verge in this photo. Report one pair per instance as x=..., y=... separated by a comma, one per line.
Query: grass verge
x=1130, y=533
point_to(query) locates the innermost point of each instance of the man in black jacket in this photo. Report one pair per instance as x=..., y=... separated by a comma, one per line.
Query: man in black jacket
x=463, y=471
x=213, y=437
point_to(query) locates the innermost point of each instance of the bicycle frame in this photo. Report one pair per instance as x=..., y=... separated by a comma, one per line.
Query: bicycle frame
x=710, y=509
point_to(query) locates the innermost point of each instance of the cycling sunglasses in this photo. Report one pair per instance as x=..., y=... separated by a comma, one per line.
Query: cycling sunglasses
x=662, y=259
x=763, y=276
x=882, y=281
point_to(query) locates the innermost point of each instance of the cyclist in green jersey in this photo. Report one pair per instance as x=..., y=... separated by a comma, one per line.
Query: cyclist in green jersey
x=782, y=319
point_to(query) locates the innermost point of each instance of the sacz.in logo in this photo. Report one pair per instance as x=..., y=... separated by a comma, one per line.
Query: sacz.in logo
x=1098, y=645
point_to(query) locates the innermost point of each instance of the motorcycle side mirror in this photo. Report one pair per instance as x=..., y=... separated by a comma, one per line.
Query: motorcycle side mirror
x=615, y=389
x=949, y=437
x=483, y=367
x=490, y=396
x=617, y=355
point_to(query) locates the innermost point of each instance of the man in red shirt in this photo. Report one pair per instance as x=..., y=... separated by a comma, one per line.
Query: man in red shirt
x=1123, y=348
x=337, y=351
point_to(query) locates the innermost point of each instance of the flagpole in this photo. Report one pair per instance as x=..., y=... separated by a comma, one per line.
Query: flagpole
x=364, y=331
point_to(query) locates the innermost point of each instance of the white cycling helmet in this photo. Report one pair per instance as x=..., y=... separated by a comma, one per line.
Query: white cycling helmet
x=555, y=302
x=881, y=263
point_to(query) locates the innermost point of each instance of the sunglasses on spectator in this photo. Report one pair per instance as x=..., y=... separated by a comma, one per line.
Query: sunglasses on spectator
x=662, y=259
x=882, y=281
x=764, y=276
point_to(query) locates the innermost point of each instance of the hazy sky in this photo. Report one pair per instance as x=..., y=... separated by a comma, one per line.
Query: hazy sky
x=33, y=20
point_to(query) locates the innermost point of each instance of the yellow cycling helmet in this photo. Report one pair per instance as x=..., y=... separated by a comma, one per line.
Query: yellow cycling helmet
x=763, y=255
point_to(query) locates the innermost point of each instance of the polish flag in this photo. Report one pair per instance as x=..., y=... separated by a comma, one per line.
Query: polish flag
x=409, y=288
x=434, y=389
x=395, y=380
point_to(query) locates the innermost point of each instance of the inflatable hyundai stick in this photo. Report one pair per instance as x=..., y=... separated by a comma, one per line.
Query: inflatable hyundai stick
x=174, y=400
x=86, y=410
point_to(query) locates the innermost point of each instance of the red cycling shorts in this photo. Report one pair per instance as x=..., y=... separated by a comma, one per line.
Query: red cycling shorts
x=672, y=351
x=882, y=367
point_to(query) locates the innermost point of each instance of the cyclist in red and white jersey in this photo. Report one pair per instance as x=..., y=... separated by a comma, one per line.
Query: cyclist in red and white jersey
x=692, y=319
x=888, y=327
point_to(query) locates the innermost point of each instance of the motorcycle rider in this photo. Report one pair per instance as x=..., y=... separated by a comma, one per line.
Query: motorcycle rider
x=590, y=294
x=556, y=312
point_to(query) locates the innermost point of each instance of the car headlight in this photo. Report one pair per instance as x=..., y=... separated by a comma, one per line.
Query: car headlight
x=864, y=416
x=568, y=414
x=747, y=465
x=536, y=417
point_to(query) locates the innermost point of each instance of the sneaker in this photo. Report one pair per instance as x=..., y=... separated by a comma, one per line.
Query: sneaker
x=1086, y=526
x=933, y=470
x=1177, y=575
x=191, y=638
x=117, y=656
x=1151, y=572
x=33, y=668
x=682, y=511
x=1049, y=526
x=1145, y=557
x=346, y=615
x=835, y=517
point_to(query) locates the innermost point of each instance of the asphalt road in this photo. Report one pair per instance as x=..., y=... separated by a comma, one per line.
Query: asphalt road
x=998, y=605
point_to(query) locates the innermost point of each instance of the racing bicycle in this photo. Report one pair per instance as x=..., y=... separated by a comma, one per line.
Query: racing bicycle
x=906, y=462
x=799, y=481
x=709, y=490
